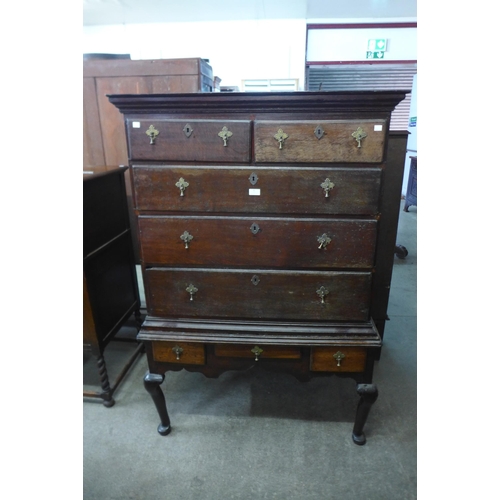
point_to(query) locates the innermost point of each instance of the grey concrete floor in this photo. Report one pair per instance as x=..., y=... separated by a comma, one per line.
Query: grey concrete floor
x=262, y=435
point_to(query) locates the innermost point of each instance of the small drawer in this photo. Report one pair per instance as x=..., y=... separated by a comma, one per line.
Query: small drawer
x=346, y=141
x=338, y=359
x=189, y=140
x=190, y=353
x=257, y=351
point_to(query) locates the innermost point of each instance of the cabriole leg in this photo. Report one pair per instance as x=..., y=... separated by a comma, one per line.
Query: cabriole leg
x=368, y=395
x=152, y=383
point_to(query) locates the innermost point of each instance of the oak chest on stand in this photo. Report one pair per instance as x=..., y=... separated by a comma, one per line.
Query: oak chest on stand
x=262, y=231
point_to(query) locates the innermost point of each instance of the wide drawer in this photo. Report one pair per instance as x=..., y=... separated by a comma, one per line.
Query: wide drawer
x=258, y=294
x=291, y=190
x=338, y=359
x=179, y=352
x=319, y=141
x=189, y=140
x=257, y=242
x=257, y=351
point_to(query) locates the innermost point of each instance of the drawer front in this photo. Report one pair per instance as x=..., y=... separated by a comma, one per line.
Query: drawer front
x=338, y=359
x=258, y=294
x=179, y=352
x=257, y=351
x=189, y=140
x=292, y=190
x=300, y=143
x=257, y=242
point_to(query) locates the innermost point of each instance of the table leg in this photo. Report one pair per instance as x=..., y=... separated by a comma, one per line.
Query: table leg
x=106, y=393
x=368, y=395
x=152, y=383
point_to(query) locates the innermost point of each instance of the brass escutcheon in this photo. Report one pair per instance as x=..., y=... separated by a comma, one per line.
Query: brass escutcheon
x=319, y=132
x=339, y=356
x=281, y=136
x=225, y=134
x=327, y=184
x=186, y=238
x=152, y=133
x=257, y=351
x=188, y=130
x=359, y=135
x=177, y=351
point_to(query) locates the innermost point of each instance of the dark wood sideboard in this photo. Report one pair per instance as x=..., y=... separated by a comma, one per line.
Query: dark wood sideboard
x=267, y=226
x=110, y=291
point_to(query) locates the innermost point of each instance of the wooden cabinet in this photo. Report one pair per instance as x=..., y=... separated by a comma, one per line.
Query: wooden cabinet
x=267, y=227
x=110, y=292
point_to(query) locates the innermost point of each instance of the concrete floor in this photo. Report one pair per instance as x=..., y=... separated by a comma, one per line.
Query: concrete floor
x=261, y=435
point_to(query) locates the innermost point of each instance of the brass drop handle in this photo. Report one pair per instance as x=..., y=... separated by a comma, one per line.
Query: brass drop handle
x=152, y=133
x=323, y=241
x=186, y=238
x=182, y=185
x=177, y=351
x=327, y=185
x=322, y=292
x=257, y=351
x=225, y=134
x=339, y=356
x=191, y=289
x=358, y=135
x=281, y=136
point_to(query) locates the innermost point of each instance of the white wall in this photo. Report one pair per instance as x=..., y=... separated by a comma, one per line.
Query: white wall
x=352, y=44
x=236, y=49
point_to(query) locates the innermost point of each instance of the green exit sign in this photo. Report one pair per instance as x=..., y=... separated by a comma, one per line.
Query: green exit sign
x=377, y=44
x=378, y=54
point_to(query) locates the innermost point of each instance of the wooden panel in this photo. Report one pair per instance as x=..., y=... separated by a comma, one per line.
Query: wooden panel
x=192, y=353
x=336, y=145
x=291, y=190
x=159, y=67
x=279, y=295
x=278, y=242
x=268, y=351
x=105, y=215
x=114, y=138
x=93, y=151
x=200, y=143
x=323, y=360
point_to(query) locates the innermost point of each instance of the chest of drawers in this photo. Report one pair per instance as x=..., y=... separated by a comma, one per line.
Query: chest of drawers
x=266, y=226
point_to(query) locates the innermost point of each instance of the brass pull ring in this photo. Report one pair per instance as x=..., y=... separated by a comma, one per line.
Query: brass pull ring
x=182, y=185
x=177, y=351
x=186, y=238
x=323, y=241
x=191, y=289
x=257, y=351
x=281, y=136
x=322, y=292
x=339, y=356
x=152, y=133
x=327, y=185
x=225, y=134
x=359, y=135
